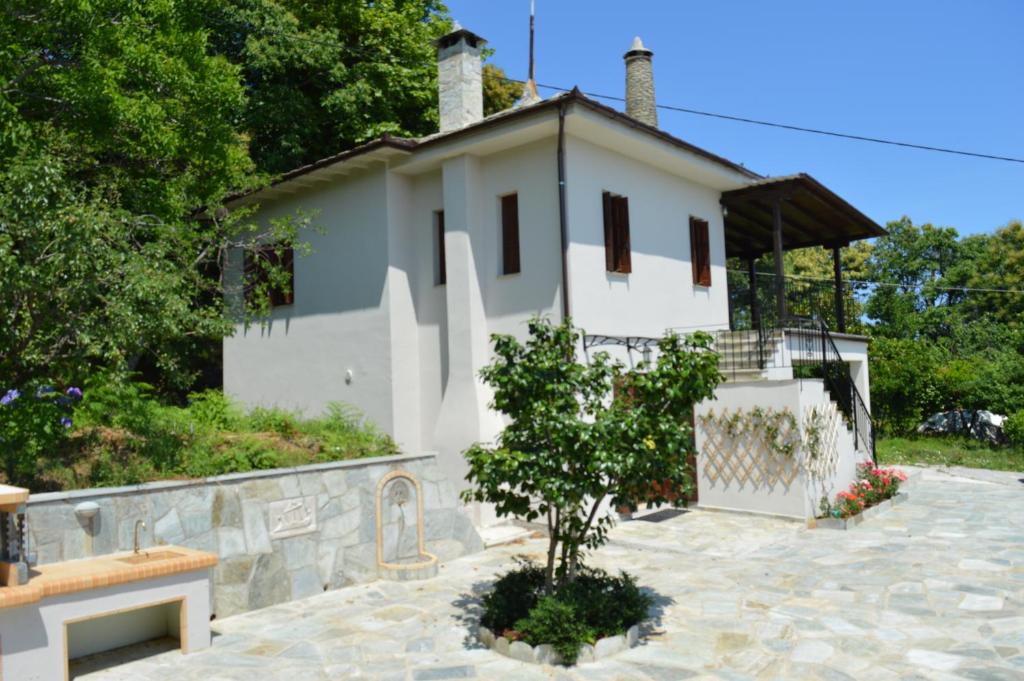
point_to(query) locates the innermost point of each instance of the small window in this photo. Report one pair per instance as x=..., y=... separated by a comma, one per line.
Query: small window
x=700, y=252
x=258, y=265
x=616, y=233
x=510, y=234
x=439, y=269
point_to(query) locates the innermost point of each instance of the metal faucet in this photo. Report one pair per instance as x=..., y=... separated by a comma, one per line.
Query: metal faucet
x=137, y=523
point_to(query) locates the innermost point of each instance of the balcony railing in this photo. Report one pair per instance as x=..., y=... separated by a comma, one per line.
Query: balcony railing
x=805, y=298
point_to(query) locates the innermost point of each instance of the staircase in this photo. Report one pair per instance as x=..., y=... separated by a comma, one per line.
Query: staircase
x=745, y=355
x=750, y=354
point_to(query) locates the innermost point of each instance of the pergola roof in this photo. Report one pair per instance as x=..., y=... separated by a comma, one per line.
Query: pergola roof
x=812, y=215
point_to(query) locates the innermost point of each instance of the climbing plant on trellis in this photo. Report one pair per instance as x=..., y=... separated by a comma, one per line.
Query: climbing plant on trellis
x=821, y=426
x=756, y=447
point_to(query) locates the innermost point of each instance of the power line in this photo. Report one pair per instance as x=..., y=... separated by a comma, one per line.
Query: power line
x=888, y=284
x=797, y=128
x=366, y=52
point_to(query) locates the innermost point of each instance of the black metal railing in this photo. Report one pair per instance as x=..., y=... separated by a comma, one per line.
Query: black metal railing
x=809, y=298
x=819, y=355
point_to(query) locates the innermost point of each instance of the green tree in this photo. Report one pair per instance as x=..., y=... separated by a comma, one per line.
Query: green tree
x=116, y=124
x=912, y=266
x=324, y=75
x=500, y=93
x=571, y=442
x=995, y=263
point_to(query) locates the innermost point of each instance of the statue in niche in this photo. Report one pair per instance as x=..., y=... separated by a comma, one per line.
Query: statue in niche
x=400, y=528
x=399, y=495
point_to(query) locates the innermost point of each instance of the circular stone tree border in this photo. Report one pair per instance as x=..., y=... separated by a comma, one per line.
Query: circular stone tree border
x=543, y=653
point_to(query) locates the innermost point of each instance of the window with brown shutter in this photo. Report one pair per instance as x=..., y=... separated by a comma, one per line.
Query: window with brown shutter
x=439, y=270
x=700, y=251
x=617, y=257
x=257, y=267
x=510, y=234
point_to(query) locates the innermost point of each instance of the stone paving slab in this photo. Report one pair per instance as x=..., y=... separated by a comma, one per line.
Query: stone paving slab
x=933, y=589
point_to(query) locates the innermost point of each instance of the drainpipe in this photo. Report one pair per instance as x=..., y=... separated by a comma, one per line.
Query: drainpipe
x=561, y=211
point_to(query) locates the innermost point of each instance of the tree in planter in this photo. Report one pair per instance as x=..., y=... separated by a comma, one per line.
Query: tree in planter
x=574, y=439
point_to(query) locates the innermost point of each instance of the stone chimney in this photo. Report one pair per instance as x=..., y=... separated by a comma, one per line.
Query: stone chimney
x=459, y=78
x=640, y=103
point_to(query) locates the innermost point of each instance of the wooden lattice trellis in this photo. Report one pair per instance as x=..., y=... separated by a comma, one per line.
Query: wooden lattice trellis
x=822, y=460
x=745, y=456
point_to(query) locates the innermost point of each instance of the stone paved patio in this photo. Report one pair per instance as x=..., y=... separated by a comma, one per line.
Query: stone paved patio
x=932, y=589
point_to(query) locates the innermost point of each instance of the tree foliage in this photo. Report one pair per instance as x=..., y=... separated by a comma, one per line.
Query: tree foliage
x=323, y=75
x=116, y=124
x=939, y=342
x=571, y=443
x=500, y=93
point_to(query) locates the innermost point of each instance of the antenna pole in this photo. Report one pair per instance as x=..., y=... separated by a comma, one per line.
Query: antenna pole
x=531, y=84
x=531, y=39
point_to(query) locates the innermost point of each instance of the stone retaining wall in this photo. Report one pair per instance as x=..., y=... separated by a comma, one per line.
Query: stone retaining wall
x=281, y=534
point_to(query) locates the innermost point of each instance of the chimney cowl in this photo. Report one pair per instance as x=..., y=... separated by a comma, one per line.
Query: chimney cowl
x=640, y=101
x=460, y=78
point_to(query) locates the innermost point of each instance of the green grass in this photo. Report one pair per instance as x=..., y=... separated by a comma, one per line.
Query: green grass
x=124, y=435
x=949, y=451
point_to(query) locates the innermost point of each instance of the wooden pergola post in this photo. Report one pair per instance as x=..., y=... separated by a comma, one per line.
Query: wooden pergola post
x=780, y=282
x=755, y=307
x=837, y=273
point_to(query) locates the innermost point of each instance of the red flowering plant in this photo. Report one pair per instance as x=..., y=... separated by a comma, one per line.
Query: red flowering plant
x=872, y=486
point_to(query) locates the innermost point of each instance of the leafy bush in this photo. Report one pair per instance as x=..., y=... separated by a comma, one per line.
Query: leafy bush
x=34, y=420
x=978, y=366
x=557, y=623
x=872, y=486
x=125, y=435
x=592, y=606
x=1013, y=427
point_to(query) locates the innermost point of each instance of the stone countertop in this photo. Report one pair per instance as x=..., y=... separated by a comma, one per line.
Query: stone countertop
x=10, y=496
x=103, y=571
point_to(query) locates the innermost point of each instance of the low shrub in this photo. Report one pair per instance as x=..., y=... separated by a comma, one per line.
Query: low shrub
x=592, y=606
x=557, y=623
x=1013, y=428
x=34, y=420
x=124, y=435
x=872, y=486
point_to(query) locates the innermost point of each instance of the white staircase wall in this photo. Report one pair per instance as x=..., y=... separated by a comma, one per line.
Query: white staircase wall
x=742, y=474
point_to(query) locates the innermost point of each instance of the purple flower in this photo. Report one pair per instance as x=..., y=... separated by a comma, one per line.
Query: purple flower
x=66, y=422
x=10, y=396
x=44, y=390
x=74, y=393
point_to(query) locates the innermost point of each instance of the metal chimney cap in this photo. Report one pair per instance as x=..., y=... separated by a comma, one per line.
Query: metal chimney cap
x=637, y=49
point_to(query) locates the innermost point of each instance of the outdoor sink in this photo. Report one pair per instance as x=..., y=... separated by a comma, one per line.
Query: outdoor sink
x=149, y=557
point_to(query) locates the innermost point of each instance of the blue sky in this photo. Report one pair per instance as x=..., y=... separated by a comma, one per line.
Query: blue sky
x=933, y=72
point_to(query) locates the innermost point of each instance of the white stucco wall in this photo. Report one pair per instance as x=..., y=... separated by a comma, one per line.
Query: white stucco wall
x=659, y=293
x=455, y=320
x=339, y=320
x=32, y=636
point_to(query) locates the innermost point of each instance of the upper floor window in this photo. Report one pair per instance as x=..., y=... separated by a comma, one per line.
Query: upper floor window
x=439, y=270
x=510, y=234
x=616, y=233
x=270, y=270
x=700, y=251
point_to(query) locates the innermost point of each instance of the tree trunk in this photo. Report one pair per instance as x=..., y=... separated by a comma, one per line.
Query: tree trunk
x=549, y=570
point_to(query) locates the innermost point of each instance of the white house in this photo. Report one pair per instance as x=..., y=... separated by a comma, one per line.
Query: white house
x=561, y=206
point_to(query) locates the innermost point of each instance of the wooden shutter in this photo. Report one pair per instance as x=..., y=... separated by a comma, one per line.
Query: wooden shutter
x=510, y=234
x=441, y=274
x=256, y=274
x=700, y=251
x=283, y=258
x=620, y=213
x=609, y=232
